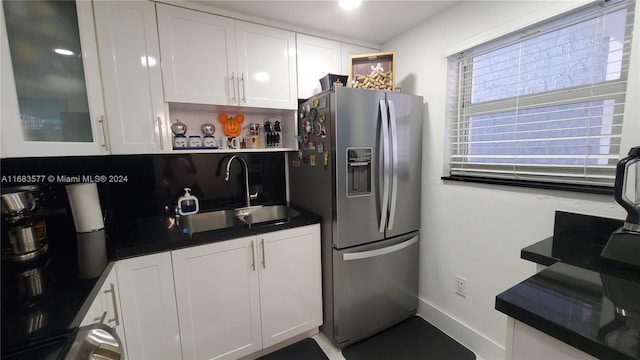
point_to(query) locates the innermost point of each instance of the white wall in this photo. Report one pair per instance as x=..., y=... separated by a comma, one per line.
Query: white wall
x=477, y=231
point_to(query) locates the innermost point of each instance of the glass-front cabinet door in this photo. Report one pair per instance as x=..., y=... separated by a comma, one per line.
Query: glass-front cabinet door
x=51, y=94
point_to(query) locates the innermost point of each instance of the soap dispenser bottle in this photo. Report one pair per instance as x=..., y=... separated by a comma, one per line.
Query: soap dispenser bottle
x=187, y=203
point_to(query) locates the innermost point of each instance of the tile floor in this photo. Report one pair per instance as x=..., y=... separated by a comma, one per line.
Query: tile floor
x=332, y=352
x=335, y=354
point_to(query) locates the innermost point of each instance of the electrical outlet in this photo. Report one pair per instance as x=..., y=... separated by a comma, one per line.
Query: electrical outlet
x=460, y=286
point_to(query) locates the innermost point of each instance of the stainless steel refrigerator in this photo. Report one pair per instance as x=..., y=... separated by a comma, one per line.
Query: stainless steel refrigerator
x=359, y=167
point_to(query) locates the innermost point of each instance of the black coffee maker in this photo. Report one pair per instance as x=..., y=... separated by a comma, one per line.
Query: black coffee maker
x=623, y=247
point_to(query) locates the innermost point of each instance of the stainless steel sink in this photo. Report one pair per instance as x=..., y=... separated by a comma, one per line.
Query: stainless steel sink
x=255, y=215
x=212, y=220
x=221, y=219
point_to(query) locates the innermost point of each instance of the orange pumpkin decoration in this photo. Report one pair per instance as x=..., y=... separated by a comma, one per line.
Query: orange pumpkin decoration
x=231, y=125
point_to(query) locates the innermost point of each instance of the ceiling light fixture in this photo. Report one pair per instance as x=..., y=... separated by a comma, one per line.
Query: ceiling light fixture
x=63, y=52
x=349, y=4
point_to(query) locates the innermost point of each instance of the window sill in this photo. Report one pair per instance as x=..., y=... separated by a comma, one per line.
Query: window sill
x=590, y=189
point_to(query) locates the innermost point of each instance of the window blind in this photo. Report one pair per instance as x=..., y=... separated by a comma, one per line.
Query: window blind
x=545, y=104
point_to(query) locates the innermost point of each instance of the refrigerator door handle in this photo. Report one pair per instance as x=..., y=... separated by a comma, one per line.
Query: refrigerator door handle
x=384, y=208
x=394, y=158
x=378, y=252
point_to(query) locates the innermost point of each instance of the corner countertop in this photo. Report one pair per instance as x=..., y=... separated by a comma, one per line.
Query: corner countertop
x=47, y=298
x=578, y=298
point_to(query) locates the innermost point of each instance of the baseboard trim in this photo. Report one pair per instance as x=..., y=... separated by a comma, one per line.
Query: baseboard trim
x=462, y=333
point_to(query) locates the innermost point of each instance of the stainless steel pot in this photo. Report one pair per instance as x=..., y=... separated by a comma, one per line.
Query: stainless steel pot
x=32, y=283
x=96, y=341
x=19, y=200
x=25, y=239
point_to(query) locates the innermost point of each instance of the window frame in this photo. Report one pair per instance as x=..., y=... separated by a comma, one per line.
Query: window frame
x=460, y=65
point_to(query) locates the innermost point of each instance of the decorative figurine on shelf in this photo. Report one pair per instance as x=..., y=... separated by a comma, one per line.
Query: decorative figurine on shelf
x=179, y=139
x=232, y=126
x=208, y=140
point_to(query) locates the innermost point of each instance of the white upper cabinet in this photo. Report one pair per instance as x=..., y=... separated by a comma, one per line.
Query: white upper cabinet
x=131, y=77
x=51, y=95
x=198, y=54
x=210, y=59
x=267, y=66
x=316, y=58
x=349, y=50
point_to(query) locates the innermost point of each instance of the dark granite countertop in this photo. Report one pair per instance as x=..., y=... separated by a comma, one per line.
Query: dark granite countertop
x=577, y=240
x=153, y=235
x=46, y=299
x=41, y=298
x=579, y=299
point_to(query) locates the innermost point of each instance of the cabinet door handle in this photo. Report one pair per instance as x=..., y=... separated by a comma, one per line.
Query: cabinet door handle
x=160, y=133
x=253, y=256
x=100, y=319
x=264, y=261
x=116, y=317
x=244, y=88
x=104, y=133
x=233, y=87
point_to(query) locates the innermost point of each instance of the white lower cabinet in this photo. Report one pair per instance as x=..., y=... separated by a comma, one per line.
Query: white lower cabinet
x=239, y=296
x=290, y=283
x=525, y=342
x=148, y=303
x=106, y=308
x=218, y=299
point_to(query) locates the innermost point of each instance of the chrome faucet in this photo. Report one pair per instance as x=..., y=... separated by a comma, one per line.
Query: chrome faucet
x=243, y=163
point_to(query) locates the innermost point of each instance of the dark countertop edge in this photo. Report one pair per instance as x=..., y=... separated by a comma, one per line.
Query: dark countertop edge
x=77, y=320
x=306, y=218
x=541, y=253
x=533, y=253
x=559, y=332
